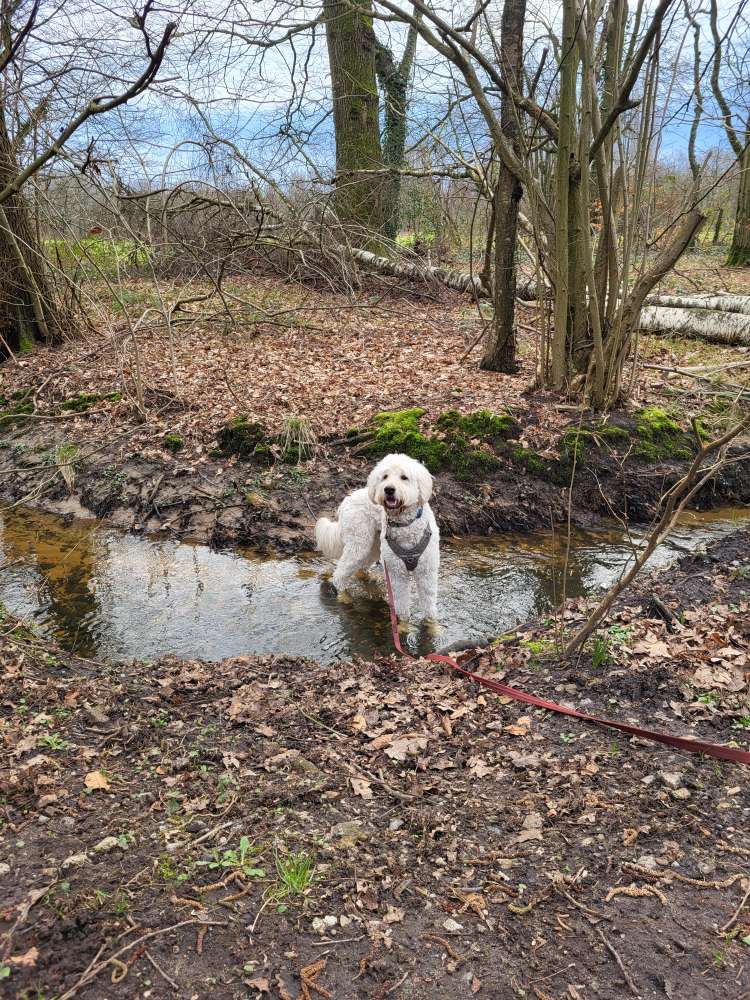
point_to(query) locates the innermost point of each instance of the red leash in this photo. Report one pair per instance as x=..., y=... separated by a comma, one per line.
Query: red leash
x=680, y=742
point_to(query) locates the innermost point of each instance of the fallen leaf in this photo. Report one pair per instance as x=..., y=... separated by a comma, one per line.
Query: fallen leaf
x=521, y=727
x=27, y=960
x=476, y=984
x=361, y=787
x=95, y=779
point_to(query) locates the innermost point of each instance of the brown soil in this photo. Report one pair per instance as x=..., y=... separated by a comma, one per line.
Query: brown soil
x=464, y=846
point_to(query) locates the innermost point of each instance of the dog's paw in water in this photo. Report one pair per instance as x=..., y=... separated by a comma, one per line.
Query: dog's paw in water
x=344, y=597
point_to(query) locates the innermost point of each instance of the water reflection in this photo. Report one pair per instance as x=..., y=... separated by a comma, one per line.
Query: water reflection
x=110, y=595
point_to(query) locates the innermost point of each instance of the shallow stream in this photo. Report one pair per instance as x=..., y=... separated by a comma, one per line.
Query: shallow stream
x=109, y=595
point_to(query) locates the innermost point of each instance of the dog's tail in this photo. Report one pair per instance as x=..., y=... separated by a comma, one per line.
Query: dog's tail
x=328, y=538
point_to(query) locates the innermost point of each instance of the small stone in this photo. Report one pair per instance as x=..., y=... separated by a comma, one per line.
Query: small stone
x=68, y=822
x=452, y=926
x=647, y=861
x=322, y=925
x=4, y=869
x=345, y=921
x=196, y=826
x=107, y=844
x=75, y=861
x=395, y=824
x=680, y=793
x=672, y=779
x=349, y=834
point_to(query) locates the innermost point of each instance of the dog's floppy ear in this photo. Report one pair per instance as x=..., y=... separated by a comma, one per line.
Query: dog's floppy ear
x=424, y=483
x=372, y=481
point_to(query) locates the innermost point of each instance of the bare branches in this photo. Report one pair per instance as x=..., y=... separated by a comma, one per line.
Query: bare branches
x=97, y=106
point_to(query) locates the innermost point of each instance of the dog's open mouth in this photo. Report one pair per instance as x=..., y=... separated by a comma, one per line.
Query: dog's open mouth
x=391, y=503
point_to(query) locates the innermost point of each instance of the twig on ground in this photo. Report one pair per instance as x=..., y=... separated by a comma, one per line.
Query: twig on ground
x=736, y=913
x=93, y=970
x=161, y=971
x=615, y=954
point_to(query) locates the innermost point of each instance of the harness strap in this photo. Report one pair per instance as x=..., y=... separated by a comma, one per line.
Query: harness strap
x=410, y=556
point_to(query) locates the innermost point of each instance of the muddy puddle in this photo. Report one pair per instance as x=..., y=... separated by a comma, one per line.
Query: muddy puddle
x=109, y=595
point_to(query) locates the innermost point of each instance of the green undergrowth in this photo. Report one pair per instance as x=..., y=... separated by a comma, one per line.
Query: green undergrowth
x=96, y=252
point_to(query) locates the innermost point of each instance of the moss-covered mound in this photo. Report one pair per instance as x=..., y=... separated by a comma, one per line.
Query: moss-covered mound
x=246, y=438
x=464, y=444
x=660, y=437
x=651, y=435
x=250, y=439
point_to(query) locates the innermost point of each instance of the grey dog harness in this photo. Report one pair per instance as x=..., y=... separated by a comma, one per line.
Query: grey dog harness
x=410, y=556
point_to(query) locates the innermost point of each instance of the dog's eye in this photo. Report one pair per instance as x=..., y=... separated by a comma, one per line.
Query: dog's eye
x=405, y=479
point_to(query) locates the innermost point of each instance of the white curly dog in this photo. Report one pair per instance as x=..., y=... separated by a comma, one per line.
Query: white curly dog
x=390, y=519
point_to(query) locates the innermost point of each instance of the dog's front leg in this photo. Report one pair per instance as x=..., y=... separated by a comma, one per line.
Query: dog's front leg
x=427, y=589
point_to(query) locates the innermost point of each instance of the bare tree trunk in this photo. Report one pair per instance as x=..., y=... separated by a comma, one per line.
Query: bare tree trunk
x=28, y=313
x=394, y=79
x=351, y=54
x=566, y=170
x=739, y=253
x=500, y=347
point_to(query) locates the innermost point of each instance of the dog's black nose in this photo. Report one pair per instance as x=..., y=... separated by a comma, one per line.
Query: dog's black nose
x=389, y=491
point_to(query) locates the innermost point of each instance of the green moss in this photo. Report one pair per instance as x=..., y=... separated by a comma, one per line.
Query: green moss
x=482, y=424
x=85, y=400
x=452, y=447
x=610, y=433
x=173, y=441
x=25, y=343
x=398, y=431
x=661, y=437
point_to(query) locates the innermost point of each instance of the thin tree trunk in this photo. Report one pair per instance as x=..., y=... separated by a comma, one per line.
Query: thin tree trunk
x=739, y=253
x=566, y=168
x=394, y=80
x=500, y=348
x=351, y=53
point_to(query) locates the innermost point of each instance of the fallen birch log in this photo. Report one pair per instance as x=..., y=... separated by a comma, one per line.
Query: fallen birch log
x=722, y=302
x=459, y=281
x=729, y=328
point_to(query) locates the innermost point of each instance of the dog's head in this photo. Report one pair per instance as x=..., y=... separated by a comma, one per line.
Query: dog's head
x=398, y=481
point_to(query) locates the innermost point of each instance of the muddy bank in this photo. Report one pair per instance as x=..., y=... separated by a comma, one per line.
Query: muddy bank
x=485, y=481
x=384, y=828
